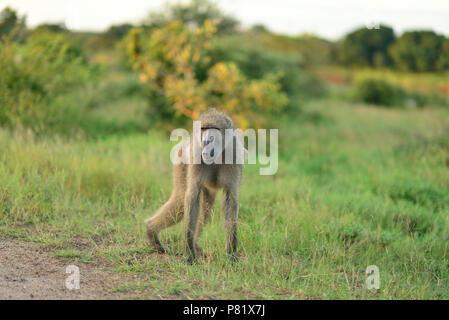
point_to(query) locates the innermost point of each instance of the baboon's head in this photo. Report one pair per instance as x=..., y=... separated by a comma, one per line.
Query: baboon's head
x=215, y=119
x=213, y=126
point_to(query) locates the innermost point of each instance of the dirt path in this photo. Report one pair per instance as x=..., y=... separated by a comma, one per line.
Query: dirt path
x=26, y=272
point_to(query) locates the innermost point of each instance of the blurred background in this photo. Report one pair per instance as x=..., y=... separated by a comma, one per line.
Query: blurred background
x=359, y=91
x=272, y=58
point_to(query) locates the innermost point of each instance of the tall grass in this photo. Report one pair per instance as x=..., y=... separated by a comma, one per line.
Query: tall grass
x=356, y=186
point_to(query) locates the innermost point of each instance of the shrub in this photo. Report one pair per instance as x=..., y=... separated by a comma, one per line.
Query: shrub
x=194, y=13
x=381, y=92
x=35, y=74
x=377, y=92
x=256, y=60
x=366, y=47
x=175, y=61
x=418, y=51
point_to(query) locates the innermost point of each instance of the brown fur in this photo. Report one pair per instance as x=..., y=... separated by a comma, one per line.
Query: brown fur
x=194, y=189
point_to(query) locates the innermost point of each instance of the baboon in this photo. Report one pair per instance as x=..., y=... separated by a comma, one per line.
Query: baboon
x=195, y=187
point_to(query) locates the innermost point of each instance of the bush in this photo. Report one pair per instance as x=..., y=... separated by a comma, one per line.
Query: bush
x=377, y=92
x=175, y=61
x=256, y=61
x=35, y=74
x=366, y=47
x=193, y=13
x=419, y=51
x=380, y=92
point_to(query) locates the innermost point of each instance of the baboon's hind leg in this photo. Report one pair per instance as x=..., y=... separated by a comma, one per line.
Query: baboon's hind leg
x=169, y=214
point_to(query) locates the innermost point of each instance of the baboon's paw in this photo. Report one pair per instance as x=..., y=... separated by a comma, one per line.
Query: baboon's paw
x=157, y=246
x=190, y=260
x=234, y=257
x=154, y=242
x=199, y=251
x=160, y=249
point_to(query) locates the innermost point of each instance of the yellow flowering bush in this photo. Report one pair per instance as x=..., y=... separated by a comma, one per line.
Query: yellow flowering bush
x=174, y=60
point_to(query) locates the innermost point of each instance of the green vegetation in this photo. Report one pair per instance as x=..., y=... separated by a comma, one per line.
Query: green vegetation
x=183, y=80
x=35, y=75
x=366, y=47
x=420, y=51
x=194, y=13
x=381, y=92
x=12, y=24
x=377, y=92
x=417, y=51
x=84, y=160
x=255, y=60
x=376, y=193
x=388, y=87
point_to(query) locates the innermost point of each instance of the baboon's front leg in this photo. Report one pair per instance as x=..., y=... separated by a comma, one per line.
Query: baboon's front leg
x=192, y=208
x=230, y=211
x=207, y=202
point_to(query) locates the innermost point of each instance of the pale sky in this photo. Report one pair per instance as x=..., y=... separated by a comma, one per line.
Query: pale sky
x=328, y=18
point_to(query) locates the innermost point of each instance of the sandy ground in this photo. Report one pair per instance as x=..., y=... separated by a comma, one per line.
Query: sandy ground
x=27, y=272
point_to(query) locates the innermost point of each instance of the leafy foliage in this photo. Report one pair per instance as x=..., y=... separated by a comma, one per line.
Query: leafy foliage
x=419, y=51
x=35, y=74
x=110, y=37
x=443, y=59
x=175, y=61
x=366, y=47
x=12, y=24
x=194, y=13
x=377, y=92
x=51, y=27
x=256, y=60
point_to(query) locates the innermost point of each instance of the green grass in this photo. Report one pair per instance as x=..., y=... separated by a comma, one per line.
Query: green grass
x=356, y=186
x=412, y=89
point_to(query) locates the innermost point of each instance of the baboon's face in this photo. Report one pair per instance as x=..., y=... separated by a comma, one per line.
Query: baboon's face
x=213, y=127
x=211, y=144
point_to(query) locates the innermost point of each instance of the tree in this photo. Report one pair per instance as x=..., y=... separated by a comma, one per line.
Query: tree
x=52, y=27
x=8, y=20
x=34, y=75
x=169, y=60
x=366, y=47
x=117, y=32
x=11, y=22
x=314, y=50
x=417, y=51
x=443, y=59
x=259, y=28
x=194, y=14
